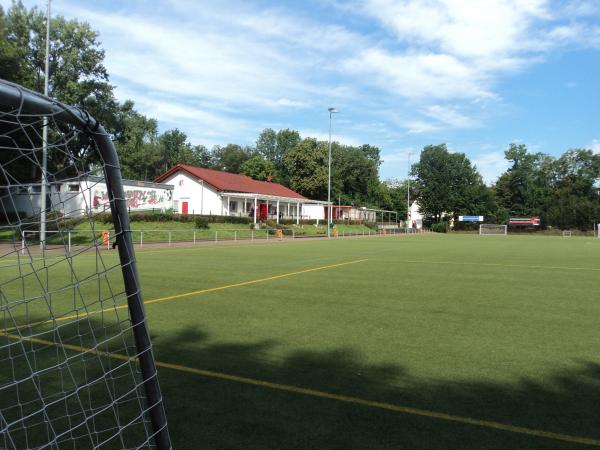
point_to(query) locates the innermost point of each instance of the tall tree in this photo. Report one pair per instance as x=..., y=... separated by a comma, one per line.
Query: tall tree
x=231, y=157
x=307, y=165
x=447, y=182
x=259, y=168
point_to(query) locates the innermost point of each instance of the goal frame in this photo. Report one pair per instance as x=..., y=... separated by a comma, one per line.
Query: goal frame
x=32, y=103
x=485, y=226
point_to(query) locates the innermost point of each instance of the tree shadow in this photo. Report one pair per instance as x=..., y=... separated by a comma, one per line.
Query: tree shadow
x=304, y=400
x=220, y=413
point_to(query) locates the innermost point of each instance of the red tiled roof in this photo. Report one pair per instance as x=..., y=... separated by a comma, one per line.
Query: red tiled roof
x=232, y=182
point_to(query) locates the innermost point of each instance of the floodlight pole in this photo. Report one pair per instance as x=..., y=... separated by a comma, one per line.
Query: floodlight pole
x=408, y=193
x=331, y=111
x=45, y=138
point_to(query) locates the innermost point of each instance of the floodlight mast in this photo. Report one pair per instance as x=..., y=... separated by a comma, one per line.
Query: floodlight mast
x=408, y=215
x=45, y=138
x=331, y=110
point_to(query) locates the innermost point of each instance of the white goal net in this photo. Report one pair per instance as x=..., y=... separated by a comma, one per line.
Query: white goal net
x=488, y=229
x=76, y=364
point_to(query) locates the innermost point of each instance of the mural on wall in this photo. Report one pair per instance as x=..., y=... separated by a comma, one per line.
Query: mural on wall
x=136, y=198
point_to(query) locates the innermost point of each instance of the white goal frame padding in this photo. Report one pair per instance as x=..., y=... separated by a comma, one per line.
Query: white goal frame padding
x=502, y=230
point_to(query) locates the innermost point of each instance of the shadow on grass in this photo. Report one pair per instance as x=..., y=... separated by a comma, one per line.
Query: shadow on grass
x=208, y=412
x=212, y=412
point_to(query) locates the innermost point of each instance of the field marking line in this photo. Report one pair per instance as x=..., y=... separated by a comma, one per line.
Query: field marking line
x=330, y=396
x=515, y=266
x=257, y=281
x=188, y=294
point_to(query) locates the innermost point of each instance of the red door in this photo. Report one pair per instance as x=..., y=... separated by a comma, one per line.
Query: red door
x=184, y=208
x=263, y=211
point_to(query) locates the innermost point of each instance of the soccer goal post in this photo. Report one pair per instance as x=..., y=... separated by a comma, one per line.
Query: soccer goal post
x=488, y=229
x=76, y=362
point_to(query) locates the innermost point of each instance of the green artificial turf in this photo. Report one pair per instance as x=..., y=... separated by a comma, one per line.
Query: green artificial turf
x=500, y=329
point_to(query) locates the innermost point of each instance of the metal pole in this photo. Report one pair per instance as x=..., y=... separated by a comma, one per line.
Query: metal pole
x=45, y=139
x=408, y=193
x=141, y=239
x=169, y=238
x=331, y=111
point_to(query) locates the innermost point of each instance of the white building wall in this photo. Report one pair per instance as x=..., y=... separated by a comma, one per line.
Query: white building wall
x=416, y=218
x=312, y=212
x=202, y=198
x=76, y=197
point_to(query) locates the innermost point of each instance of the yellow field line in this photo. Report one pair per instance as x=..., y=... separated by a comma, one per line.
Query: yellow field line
x=330, y=396
x=188, y=294
x=260, y=280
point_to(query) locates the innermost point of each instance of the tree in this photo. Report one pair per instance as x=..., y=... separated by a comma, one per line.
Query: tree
x=231, y=157
x=273, y=146
x=355, y=176
x=77, y=72
x=575, y=198
x=448, y=183
x=307, y=165
x=259, y=168
x=266, y=144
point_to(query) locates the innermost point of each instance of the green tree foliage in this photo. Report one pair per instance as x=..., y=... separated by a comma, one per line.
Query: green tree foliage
x=259, y=168
x=78, y=76
x=447, y=183
x=355, y=178
x=306, y=163
x=273, y=146
x=231, y=157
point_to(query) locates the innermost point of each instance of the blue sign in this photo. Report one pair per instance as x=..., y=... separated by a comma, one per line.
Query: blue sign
x=470, y=218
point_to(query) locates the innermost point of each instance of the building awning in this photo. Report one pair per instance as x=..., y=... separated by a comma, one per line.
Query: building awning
x=303, y=201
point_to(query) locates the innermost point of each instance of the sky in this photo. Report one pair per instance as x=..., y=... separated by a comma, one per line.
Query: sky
x=474, y=74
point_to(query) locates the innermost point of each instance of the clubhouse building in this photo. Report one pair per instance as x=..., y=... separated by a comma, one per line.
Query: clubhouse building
x=205, y=191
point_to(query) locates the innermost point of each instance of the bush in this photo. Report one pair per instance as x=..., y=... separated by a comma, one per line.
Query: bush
x=439, y=227
x=201, y=223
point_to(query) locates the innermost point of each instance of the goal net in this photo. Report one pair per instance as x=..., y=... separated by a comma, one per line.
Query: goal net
x=488, y=229
x=76, y=363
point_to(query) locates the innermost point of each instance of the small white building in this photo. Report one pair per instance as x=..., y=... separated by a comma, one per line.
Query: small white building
x=72, y=197
x=212, y=192
x=415, y=219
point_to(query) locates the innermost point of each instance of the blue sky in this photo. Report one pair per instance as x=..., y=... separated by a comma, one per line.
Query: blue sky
x=474, y=74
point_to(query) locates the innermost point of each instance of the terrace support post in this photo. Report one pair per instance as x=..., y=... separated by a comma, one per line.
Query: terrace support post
x=277, y=218
x=288, y=210
x=255, y=206
x=228, y=205
x=202, y=197
x=298, y=213
x=267, y=201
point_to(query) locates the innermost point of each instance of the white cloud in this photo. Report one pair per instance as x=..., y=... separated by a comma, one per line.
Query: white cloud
x=595, y=146
x=420, y=127
x=450, y=115
x=490, y=165
x=335, y=137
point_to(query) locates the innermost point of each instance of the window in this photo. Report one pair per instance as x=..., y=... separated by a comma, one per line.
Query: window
x=232, y=206
x=73, y=188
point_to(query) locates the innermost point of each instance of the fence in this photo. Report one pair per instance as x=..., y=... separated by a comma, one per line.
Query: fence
x=141, y=238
